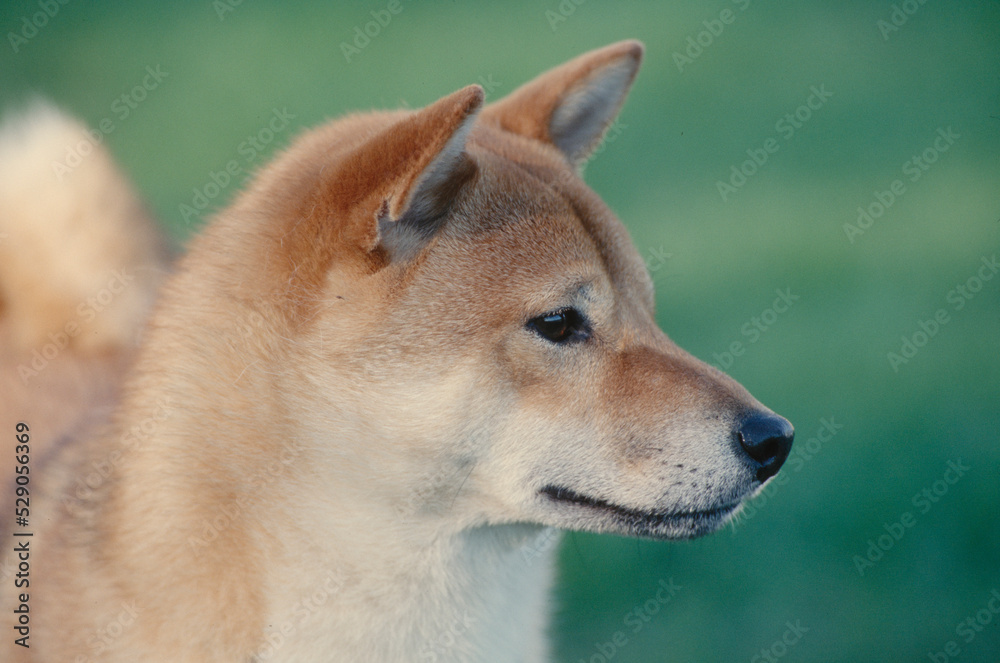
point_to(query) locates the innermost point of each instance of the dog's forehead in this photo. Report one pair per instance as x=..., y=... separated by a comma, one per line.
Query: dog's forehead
x=527, y=196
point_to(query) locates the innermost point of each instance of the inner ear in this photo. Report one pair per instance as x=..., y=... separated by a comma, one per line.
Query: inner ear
x=572, y=105
x=429, y=205
x=579, y=121
x=408, y=171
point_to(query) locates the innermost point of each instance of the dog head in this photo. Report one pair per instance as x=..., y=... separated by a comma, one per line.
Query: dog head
x=470, y=326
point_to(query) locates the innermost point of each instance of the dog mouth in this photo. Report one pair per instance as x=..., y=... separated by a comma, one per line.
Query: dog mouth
x=638, y=522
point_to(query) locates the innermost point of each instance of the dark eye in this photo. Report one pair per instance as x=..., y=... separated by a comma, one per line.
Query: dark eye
x=560, y=326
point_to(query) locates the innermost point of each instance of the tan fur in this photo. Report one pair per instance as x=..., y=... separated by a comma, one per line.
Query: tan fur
x=342, y=393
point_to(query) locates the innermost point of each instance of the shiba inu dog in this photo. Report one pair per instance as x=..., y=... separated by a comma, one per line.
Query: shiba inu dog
x=413, y=348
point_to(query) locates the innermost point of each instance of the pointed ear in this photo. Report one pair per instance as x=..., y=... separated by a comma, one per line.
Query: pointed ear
x=572, y=105
x=408, y=172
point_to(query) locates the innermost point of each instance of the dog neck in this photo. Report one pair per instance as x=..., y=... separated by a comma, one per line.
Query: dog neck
x=383, y=593
x=354, y=570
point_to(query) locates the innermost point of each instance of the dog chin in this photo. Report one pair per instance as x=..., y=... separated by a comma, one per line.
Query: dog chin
x=580, y=512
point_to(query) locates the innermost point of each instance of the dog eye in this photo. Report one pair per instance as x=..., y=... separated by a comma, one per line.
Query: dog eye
x=560, y=326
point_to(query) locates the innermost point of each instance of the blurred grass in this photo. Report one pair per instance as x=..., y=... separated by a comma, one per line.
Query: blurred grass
x=682, y=131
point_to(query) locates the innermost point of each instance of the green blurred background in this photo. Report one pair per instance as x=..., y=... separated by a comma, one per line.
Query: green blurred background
x=790, y=568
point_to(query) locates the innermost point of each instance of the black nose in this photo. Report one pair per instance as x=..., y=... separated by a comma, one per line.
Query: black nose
x=767, y=438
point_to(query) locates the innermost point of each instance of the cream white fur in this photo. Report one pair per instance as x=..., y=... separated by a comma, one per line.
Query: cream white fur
x=67, y=232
